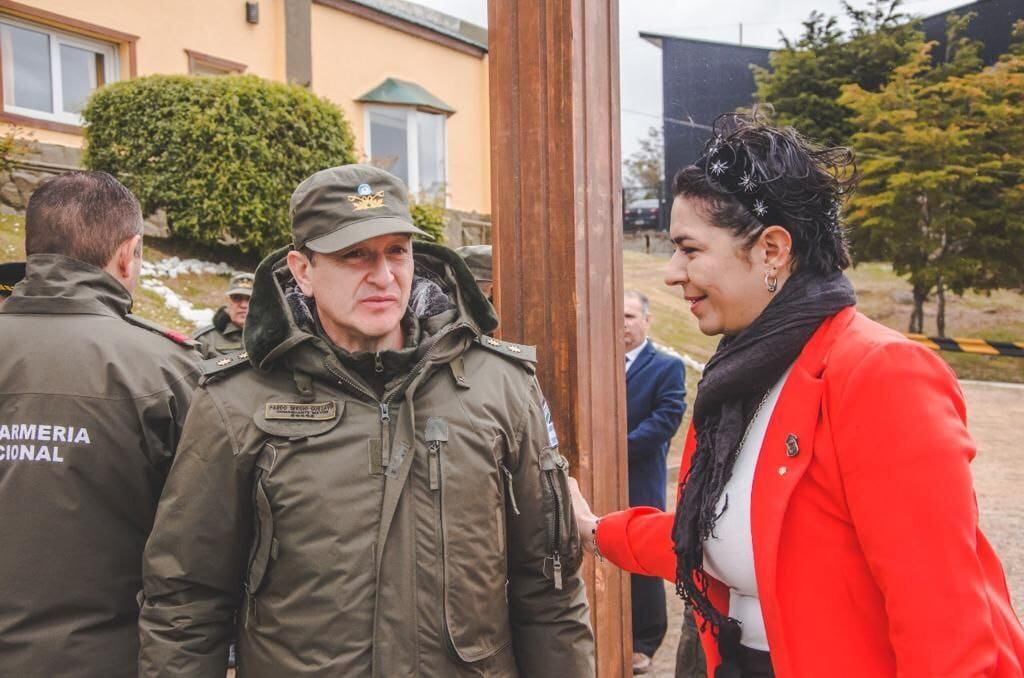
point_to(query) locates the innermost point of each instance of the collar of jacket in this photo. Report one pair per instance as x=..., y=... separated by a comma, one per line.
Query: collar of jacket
x=57, y=284
x=222, y=322
x=272, y=331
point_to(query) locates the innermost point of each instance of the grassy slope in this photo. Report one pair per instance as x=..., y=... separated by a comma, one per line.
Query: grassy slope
x=881, y=295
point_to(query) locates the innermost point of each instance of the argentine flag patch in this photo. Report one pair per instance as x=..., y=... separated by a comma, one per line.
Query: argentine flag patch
x=552, y=436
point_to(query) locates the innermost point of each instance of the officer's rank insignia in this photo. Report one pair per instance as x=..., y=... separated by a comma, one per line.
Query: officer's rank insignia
x=302, y=411
x=367, y=199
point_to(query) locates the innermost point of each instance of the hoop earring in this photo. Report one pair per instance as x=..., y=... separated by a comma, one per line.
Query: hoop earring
x=771, y=282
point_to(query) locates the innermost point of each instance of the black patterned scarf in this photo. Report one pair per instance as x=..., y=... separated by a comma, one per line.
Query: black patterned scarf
x=742, y=370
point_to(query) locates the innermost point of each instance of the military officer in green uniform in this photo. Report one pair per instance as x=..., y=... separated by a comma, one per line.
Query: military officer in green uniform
x=225, y=334
x=93, y=400
x=374, y=483
x=479, y=260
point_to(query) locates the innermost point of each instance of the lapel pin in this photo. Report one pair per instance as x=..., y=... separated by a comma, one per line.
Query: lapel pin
x=792, y=446
x=782, y=470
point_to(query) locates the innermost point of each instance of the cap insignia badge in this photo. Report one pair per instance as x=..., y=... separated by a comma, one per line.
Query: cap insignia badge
x=367, y=199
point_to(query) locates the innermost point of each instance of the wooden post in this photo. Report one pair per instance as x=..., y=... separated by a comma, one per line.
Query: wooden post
x=557, y=203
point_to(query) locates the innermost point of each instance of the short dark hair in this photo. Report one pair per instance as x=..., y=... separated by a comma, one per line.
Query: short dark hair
x=805, y=183
x=82, y=215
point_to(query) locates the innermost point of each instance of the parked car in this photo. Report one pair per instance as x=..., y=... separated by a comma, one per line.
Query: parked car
x=641, y=214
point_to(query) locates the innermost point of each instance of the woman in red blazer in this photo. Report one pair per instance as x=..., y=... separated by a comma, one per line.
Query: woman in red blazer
x=826, y=523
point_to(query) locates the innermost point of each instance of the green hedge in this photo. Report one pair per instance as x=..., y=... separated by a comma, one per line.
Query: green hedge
x=430, y=218
x=221, y=155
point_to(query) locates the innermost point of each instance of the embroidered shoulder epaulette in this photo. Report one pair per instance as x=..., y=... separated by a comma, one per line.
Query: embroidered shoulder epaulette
x=177, y=337
x=221, y=364
x=522, y=352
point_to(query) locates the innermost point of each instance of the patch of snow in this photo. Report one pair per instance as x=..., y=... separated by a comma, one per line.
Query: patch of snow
x=172, y=267
x=196, y=316
x=695, y=365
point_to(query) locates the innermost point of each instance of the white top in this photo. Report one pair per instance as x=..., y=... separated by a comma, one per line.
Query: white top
x=631, y=355
x=729, y=553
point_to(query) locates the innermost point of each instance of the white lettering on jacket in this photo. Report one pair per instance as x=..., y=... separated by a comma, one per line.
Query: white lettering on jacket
x=29, y=442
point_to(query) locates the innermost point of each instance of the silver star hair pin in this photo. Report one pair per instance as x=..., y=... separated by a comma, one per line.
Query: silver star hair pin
x=760, y=209
x=718, y=167
x=748, y=183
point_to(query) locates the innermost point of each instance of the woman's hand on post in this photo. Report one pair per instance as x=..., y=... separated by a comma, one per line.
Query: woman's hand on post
x=586, y=520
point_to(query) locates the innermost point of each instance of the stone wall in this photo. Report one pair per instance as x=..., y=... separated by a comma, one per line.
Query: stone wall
x=37, y=162
x=466, y=228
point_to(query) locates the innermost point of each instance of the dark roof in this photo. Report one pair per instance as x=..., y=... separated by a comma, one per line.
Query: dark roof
x=656, y=38
x=404, y=93
x=994, y=17
x=442, y=23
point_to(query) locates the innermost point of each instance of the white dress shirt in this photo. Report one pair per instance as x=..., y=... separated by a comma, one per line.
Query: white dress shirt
x=631, y=355
x=729, y=552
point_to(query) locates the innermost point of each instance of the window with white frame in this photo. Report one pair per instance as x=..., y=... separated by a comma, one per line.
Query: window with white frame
x=410, y=144
x=49, y=74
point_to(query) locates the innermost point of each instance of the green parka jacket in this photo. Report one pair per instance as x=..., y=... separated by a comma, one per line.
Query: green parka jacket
x=220, y=338
x=92, y=409
x=428, y=532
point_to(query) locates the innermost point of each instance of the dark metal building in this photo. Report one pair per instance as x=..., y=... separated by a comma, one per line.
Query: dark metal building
x=702, y=79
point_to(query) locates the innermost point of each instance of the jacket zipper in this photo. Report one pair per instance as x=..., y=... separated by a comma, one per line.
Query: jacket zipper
x=385, y=434
x=258, y=525
x=556, y=561
x=385, y=402
x=511, y=491
x=434, y=463
x=435, y=451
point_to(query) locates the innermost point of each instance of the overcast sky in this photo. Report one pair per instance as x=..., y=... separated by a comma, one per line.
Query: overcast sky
x=641, y=61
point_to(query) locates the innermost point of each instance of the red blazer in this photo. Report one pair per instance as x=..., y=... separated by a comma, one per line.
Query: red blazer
x=867, y=551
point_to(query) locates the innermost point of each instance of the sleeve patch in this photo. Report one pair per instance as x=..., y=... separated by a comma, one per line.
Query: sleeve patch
x=552, y=436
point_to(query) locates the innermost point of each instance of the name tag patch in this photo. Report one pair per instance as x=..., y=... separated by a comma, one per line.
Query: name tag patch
x=302, y=411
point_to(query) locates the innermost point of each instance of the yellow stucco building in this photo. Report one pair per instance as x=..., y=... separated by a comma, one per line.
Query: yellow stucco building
x=412, y=81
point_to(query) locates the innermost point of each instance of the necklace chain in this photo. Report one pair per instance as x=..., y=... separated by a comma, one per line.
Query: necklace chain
x=750, y=425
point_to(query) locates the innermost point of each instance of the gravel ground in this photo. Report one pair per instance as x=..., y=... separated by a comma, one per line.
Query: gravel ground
x=995, y=413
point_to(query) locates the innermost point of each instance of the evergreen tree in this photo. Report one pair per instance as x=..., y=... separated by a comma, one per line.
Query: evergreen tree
x=806, y=77
x=941, y=150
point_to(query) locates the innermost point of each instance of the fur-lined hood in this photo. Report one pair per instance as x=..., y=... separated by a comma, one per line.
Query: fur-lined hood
x=282, y=318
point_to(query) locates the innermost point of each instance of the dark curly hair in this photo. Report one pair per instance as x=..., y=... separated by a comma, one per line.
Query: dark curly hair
x=752, y=175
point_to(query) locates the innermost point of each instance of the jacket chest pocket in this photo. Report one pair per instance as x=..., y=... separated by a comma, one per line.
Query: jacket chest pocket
x=469, y=499
x=264, y=547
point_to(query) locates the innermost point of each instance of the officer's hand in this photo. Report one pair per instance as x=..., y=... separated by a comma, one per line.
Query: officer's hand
x=586, y=520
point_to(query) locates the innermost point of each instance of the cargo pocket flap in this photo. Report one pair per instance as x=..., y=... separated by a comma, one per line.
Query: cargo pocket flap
x=264, y=543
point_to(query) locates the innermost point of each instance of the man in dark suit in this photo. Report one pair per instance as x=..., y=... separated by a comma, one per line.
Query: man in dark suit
x=655, y=397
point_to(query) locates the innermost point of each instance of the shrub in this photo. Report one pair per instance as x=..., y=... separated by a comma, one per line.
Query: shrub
x=14, y=144
x=429, y=217
x=221, y=155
